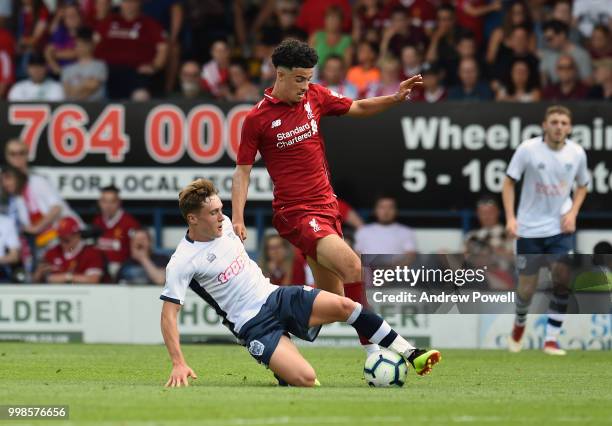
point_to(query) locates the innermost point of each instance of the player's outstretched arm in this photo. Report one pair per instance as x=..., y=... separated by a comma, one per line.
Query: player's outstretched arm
x=240, y=189
x=371, y=106
x=180, y=370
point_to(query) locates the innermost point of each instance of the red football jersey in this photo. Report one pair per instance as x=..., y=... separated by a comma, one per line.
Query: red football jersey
x=115, y=239
x=83, y=260
x=289, y=140
x=128, y=43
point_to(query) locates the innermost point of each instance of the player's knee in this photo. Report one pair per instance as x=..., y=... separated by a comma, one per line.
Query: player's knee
x=306, y=378
x=346, y=307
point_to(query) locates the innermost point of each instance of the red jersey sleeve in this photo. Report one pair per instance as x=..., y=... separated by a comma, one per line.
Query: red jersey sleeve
x=332, y=103
x=92, y=261
x=249, y=141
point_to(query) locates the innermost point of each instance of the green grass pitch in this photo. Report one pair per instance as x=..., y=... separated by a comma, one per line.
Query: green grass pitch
x=122, y=385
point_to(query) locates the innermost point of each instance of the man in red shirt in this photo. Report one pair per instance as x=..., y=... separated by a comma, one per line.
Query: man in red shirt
x=134, y=48
x=115, y=226
x=71, y=261
x=284, y=128
x=312, y=14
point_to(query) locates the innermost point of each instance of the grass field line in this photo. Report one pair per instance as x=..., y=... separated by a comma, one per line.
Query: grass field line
x=335, y=420
x=260, y=421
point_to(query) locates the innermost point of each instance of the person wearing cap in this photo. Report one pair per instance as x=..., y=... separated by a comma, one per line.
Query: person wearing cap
x=71, y=261
x=38, y=87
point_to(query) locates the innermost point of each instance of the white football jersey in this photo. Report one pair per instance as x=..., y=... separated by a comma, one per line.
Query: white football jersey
x=548, y=178
x=221, y=272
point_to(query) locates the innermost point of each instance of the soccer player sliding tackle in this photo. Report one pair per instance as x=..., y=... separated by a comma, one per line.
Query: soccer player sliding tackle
x=212, y=261
x=284, y=128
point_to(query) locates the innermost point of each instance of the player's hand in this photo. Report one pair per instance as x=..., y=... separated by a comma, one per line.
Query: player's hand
x=240, y=230
x=568, y=223
x=180, y=375
x=512, y=228
x=406, y=87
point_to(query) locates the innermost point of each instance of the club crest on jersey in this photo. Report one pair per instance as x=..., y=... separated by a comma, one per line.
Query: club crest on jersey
x=308, y=110
x=541, y=166
x=314, y=225
x=276, y=123
x=211, y=257
x=568, y=167
x=256, y=348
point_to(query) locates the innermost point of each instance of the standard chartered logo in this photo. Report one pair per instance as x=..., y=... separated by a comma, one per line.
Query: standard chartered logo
x=300, y=133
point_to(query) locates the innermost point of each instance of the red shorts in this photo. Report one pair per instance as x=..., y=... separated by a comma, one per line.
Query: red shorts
x=303, y=225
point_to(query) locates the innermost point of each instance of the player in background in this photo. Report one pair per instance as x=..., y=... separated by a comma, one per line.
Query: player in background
x=546, y=219
x=284, y=128
x=212, y=261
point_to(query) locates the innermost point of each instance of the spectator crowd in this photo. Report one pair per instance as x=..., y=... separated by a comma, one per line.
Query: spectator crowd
x=96, y=50
x=43, y=240
x=505, y=50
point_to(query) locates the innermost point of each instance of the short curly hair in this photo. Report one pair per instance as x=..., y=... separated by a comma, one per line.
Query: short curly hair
x=292, y=53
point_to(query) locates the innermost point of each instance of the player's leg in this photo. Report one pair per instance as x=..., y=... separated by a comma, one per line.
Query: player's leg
x=317, y=233
x=557, y=307
x=334, y=254
x=559, y=246
x=328, y=308
x=339, y=270
x=324, y=278
x=525, y=291
x=528, y=264
x=287, y=363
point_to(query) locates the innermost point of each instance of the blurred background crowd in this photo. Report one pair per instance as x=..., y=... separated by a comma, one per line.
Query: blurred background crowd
x=505, y=50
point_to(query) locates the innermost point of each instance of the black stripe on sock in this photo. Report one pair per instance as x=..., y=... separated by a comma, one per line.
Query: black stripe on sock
x=388, y=339
x=367, y=323
x=554, y=322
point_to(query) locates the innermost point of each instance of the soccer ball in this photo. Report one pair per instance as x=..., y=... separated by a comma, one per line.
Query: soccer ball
x=384, y=369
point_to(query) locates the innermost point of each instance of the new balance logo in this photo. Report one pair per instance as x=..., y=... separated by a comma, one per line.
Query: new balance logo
x=334, y=93
x=314, y=225
x=276, y=123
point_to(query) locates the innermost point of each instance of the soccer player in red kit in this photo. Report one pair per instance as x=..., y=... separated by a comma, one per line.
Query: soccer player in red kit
x=284, y=128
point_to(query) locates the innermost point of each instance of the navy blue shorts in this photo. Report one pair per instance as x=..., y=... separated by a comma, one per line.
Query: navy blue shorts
x=534, y=253
x=287, y=310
